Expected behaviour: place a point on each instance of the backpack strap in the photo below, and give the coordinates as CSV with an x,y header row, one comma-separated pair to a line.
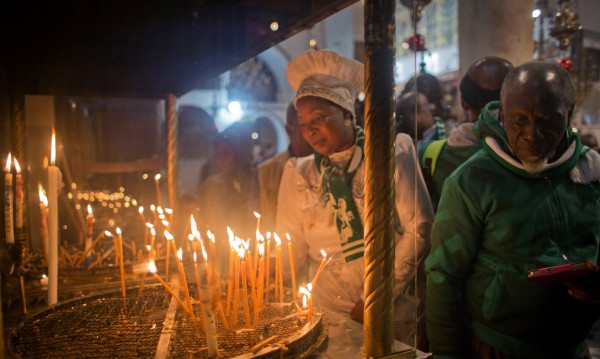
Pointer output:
x,y
431,154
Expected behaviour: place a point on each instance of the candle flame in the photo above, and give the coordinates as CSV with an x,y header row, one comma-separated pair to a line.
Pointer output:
x,y
287,235
42,196
242,253
305,291
157,177
141,209
230,234
159,210
152,267
168,235
191,237
304,301
149,225
43,276
193,226
152,232
268,235
89,209
257,215
118,230
152,207
169,210
107,233
277,240
53,150
165,223
261,249
180,254
7,167
148,247
323,254
211,236
195,257
309,287
203,252
17,167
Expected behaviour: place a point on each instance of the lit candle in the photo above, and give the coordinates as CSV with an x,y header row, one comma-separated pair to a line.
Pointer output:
x,y
54,177
18,196
141,212
307,300
268,269
152,268
8,202
156,180
169,238
89,235
43,220
236,291
207,313
321,266
122,268
213,248
258,235
278,267
230,272
198,285
244,289
292,269
186,290
261,282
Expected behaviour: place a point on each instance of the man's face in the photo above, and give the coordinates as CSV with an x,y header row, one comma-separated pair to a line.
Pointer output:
x,y
535,118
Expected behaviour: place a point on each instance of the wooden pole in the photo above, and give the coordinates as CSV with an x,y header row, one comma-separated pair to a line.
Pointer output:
x,y
379,177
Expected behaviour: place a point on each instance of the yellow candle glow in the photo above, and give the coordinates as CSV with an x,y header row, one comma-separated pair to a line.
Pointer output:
x,y
307,300
244,289
54,178
89,234
152,269
8,202
122,268
278,267
184,285
268,269
314,281
169,238
292,268
156,181
43,220
18,196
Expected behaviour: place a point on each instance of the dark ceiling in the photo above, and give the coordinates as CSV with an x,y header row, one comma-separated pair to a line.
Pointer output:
x,y
138,48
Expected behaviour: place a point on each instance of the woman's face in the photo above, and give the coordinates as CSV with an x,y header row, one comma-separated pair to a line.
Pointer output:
x,y
324,125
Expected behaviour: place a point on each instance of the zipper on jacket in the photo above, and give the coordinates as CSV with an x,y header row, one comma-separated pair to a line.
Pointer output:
x,y
557,214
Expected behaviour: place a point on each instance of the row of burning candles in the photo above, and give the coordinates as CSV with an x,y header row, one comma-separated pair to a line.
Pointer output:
x,y
246,274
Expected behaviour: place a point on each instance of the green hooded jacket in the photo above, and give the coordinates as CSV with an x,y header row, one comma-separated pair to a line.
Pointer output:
x,y
495,222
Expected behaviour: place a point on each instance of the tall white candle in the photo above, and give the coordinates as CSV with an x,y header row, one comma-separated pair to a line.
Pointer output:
x,y
89,234
18,196
53,180
8,203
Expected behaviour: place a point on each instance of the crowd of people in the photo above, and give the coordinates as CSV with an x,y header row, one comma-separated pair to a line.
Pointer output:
x,y
480,202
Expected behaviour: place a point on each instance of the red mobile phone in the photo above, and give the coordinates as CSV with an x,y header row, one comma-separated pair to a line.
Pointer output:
x,y
560,273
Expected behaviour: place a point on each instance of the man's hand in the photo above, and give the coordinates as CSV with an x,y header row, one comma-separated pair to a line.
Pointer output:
x,y
358,312
585,290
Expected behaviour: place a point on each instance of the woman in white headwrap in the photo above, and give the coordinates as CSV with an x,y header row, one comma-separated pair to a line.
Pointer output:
x,y
321,196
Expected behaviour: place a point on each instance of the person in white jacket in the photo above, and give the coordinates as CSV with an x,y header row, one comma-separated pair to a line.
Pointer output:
x,y
321,197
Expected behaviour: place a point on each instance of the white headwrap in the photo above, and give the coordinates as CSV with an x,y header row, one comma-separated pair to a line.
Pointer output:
x,y
326,74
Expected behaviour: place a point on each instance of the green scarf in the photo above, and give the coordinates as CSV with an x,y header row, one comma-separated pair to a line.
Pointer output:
x,y
337,184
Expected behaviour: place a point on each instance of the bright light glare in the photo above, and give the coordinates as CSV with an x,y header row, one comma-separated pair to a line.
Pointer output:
x,y
535,13
274,26
234,107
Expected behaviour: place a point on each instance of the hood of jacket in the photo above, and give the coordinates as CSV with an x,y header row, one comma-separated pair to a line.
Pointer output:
x,y
493,137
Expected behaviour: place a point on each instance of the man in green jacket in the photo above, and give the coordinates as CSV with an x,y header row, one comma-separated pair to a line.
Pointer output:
x,y
529,199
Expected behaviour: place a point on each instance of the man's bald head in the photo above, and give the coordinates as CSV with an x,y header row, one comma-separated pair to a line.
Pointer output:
x,y
482,82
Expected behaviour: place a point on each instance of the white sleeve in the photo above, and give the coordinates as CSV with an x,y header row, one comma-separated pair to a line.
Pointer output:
x,y
290,218
415,213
